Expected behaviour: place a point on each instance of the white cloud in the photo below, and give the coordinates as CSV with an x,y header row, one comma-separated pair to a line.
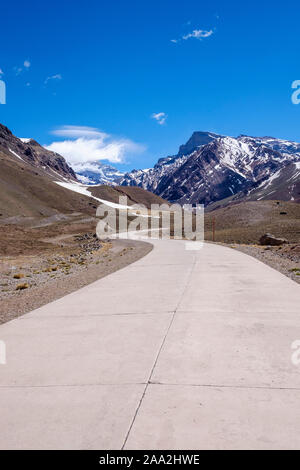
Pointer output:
x,y
88,166
84,179
19,70
90,145
159,117
78,131
53,77
196,34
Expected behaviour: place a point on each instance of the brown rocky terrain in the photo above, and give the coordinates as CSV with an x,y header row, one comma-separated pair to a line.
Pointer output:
x,y
241,226
29,151
27,191
40,265
135,195
246,222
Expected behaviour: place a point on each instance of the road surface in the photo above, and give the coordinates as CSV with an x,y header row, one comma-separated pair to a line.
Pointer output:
x,y
180,350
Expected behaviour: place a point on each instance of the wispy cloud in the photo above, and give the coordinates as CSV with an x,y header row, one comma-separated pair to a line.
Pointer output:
x,y
78,131
53,77
26,66
160,118
88,144
196,34
1,72
18,70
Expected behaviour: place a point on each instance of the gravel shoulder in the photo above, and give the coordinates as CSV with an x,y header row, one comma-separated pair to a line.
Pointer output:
x,y
31,281
285,259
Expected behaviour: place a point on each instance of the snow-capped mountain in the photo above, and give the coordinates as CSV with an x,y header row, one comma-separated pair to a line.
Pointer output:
x,y
97,173
219,167
153,179
283,185
282,146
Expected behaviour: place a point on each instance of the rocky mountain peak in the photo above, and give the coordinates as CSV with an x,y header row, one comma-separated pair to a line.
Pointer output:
x,y
31,152
220,167
197,140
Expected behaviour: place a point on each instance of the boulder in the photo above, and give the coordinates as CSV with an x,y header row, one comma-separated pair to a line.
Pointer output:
x,y
271,240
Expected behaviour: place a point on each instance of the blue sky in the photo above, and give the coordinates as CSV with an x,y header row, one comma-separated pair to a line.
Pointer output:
x,y
112,65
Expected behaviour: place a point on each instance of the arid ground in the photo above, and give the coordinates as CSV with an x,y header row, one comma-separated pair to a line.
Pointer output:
x,y
43,264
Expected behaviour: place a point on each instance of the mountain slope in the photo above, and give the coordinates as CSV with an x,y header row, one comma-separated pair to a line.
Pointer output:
x,y
28,191
283,185
135,195
154,179
30,152
247,221
37,186
223,168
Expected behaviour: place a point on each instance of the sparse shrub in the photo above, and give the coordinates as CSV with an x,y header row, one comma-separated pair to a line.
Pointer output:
x,y
19,276
22,286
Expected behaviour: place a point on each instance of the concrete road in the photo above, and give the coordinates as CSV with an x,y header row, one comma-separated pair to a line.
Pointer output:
x,y
180,350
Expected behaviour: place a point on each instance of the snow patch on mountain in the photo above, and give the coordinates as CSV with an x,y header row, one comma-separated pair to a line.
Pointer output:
x,y
97,173
220,167
81,189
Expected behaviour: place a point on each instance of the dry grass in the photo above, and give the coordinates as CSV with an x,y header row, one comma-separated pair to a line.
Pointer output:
x,y
246,222
19,276
22,286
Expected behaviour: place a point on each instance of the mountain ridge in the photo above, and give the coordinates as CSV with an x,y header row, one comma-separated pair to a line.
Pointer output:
x,y
219,167
31,152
